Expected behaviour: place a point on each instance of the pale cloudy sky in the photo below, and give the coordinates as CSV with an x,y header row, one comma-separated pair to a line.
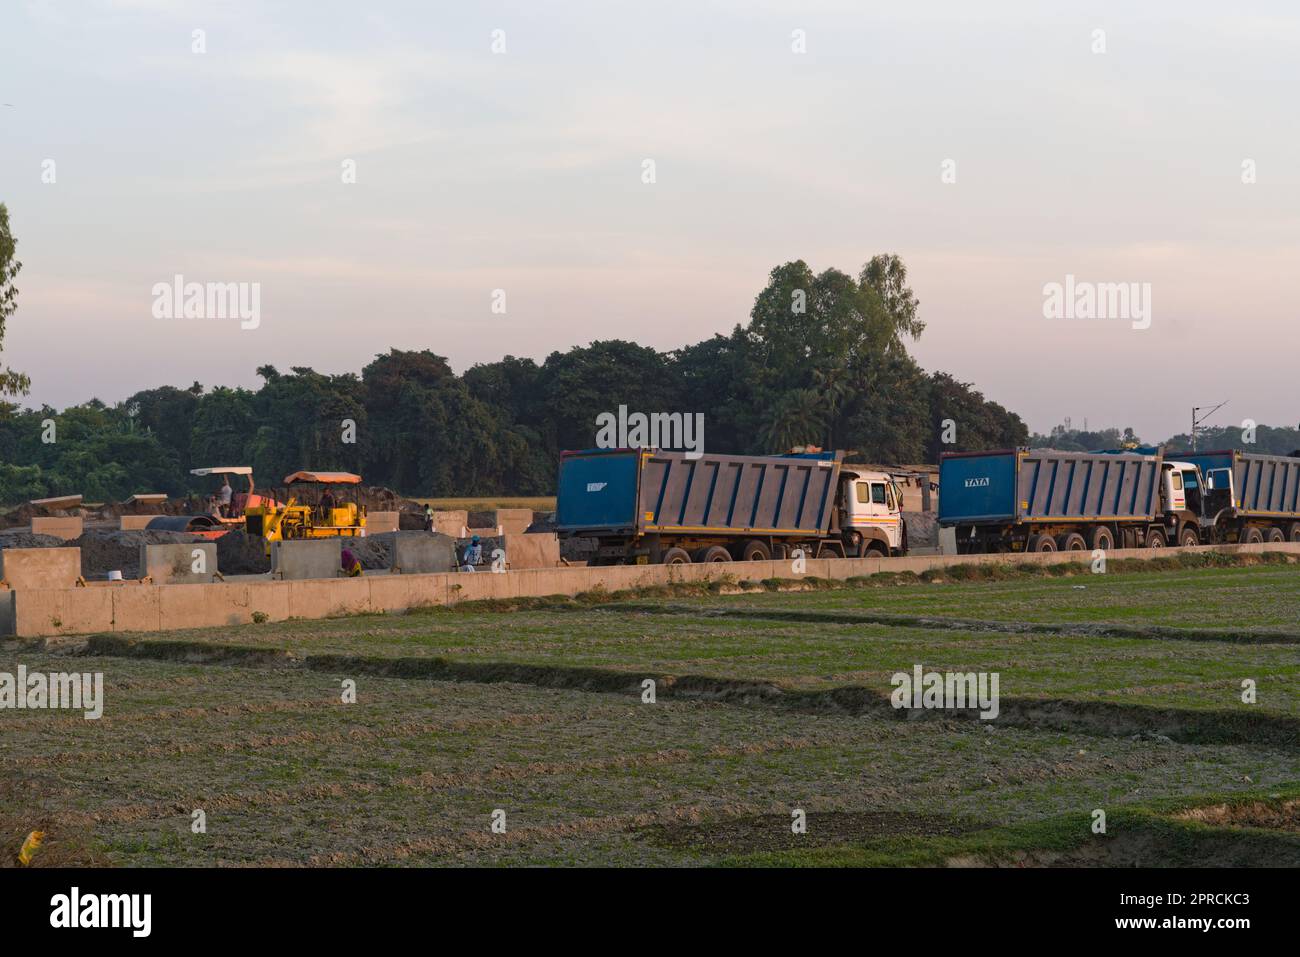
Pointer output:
x,y
522,171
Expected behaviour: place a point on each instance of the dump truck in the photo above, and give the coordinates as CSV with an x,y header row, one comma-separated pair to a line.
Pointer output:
x,y
1043,499
316,505
647,506
1262,494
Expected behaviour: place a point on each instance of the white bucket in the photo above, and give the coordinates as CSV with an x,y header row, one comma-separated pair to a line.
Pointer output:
x,y
115,576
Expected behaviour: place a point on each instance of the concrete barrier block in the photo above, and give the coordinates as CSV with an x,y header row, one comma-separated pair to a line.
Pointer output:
x,y
378,523
514,521
183,563
131,523
422,553
450,522
64,528
310,558
538,550
482,585
40,567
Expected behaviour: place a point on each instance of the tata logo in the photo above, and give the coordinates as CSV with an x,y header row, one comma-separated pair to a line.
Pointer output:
x,y
596,486
977,482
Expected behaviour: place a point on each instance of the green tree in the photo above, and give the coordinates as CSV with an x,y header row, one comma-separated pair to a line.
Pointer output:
x,y
11,383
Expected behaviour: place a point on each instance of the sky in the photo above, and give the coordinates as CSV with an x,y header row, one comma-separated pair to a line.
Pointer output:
x,y
498,157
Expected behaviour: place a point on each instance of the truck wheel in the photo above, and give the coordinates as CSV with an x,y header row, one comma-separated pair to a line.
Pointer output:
x,y
1101,538
676,556
1155,538
1071,542
755,551
1189,538
712,555
1294,534
1252,536
1040,543
876,550
1274,536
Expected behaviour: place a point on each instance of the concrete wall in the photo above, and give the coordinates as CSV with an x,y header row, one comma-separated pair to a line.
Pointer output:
x,y
538,550
379,523
134,522
40,611
310,558
416,553
64,528
176,564
40,567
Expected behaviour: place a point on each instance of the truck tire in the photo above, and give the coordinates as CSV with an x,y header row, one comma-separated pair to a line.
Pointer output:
x,y
711,555
755,551
1293,534
1274,536
1101,538
1252,536
1071,542
1156,539
675,556
1040,543
876,550
1189,538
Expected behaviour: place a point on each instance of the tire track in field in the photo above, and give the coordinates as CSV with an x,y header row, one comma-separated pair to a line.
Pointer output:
x,y
1085,715
253,742
896,620
429,781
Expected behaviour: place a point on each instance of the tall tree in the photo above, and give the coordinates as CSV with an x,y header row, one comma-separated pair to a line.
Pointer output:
x,y
11,383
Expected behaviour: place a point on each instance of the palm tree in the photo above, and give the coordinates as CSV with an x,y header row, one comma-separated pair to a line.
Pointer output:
x,y
795,419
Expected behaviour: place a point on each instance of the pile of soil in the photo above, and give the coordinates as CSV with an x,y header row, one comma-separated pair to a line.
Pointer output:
x,y
24,539
105,551
372,551
241,554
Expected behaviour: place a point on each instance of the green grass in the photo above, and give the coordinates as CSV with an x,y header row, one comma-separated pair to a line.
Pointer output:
x,y
538,712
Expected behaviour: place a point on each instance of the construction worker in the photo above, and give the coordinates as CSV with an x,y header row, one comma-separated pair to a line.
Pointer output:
x,y
225,495
473,555
428,518
351,566
327,504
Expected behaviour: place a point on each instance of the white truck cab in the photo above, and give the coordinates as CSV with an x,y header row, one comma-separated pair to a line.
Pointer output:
x,y
874,515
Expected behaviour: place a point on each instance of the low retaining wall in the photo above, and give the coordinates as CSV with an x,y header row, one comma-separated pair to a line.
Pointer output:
x,y
37,612
131,523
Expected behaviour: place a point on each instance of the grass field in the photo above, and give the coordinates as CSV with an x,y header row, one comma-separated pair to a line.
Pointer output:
x,y
1119,692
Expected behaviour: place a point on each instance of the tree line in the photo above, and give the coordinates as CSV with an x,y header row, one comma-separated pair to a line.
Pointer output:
x,y
821,361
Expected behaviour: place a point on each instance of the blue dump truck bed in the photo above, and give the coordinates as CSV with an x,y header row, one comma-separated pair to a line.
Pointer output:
x,y
1044,485
640,491
1264,485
